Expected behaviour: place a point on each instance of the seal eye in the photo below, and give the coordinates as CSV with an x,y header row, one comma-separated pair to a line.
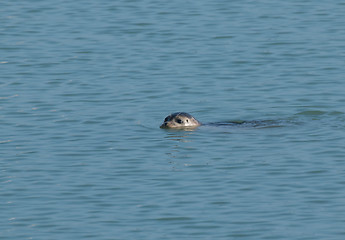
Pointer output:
x,y
179,121
167,119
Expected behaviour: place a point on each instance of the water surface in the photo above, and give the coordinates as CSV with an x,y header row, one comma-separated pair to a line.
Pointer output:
x,y
85,85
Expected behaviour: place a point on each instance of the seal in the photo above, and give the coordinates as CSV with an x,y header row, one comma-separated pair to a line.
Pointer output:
x,y
180,120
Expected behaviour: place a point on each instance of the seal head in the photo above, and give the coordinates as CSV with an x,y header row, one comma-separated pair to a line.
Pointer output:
x,y
180,120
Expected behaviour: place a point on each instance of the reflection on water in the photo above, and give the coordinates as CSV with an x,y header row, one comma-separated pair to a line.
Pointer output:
x,y
179,135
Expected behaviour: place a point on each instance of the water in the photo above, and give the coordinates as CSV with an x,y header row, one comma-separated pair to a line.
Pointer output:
x,y
85,85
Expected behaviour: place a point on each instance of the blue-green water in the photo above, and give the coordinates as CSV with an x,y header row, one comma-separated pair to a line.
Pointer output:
x,y
85,85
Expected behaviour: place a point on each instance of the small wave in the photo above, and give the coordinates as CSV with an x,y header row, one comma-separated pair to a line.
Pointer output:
x,y
318,113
